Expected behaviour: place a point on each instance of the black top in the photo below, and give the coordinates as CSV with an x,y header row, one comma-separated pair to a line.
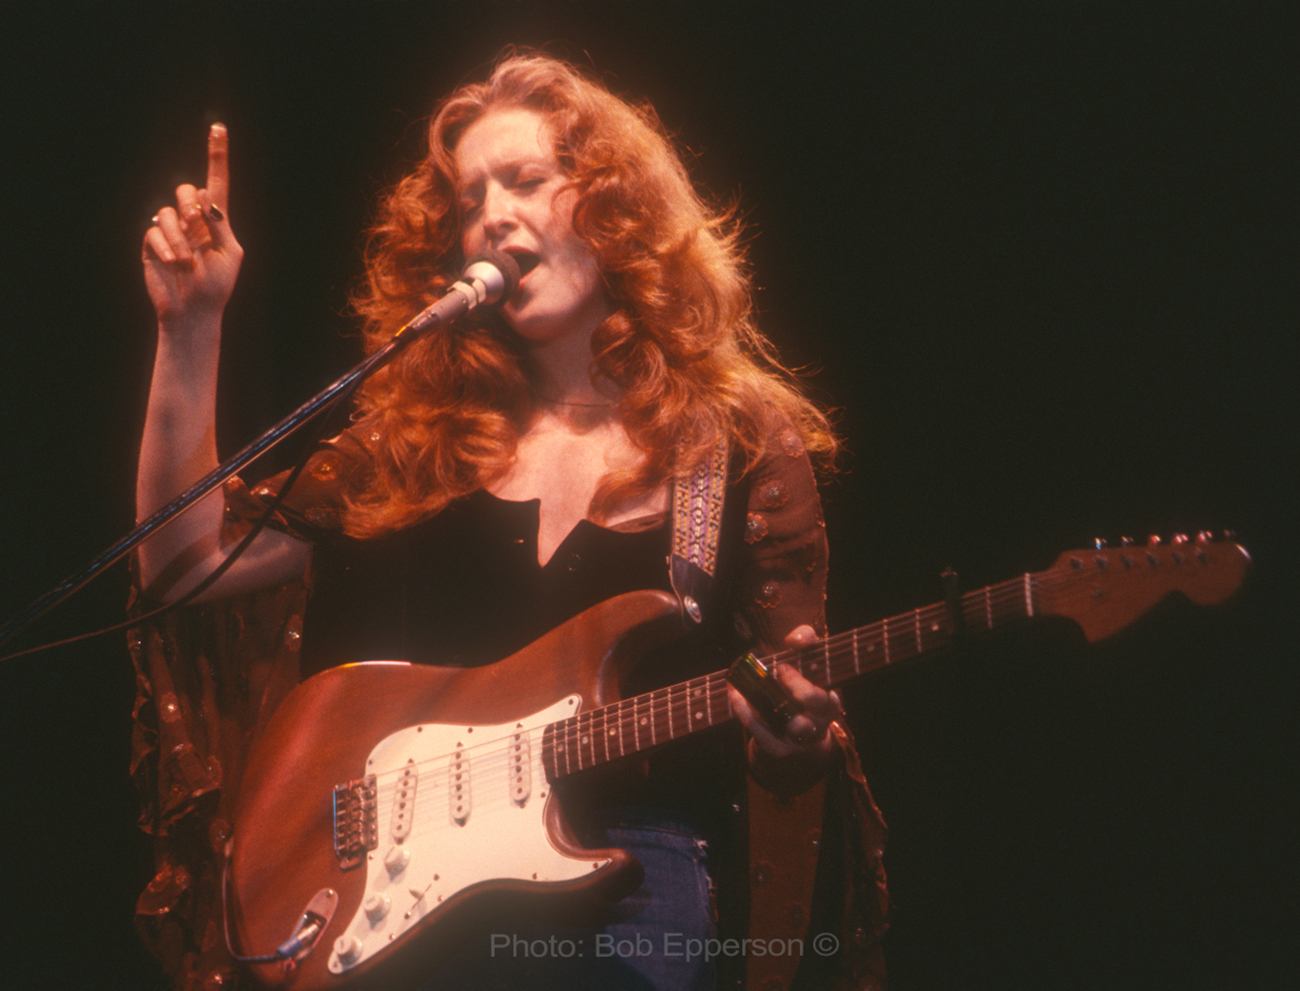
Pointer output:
x,y
464,587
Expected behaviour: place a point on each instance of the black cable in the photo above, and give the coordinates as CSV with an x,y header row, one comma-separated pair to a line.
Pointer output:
x,y
245,542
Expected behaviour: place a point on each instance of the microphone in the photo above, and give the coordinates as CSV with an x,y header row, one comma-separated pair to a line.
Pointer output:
x,y
491,277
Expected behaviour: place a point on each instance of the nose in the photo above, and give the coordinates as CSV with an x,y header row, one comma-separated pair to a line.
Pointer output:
x,y
498,213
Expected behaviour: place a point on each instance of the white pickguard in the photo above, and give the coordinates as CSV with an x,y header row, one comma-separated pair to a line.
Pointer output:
x,y
457,806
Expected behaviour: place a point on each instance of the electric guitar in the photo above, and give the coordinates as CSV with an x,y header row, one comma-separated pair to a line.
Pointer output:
x,y
387,803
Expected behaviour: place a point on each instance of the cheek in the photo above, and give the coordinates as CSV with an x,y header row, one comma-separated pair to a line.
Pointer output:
x,y
560,223
470,243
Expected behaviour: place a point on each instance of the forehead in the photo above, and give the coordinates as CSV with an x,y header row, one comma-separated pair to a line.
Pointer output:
x,y
501,138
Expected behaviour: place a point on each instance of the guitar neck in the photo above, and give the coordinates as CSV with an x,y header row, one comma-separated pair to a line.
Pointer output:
x,y
637,724
1102,590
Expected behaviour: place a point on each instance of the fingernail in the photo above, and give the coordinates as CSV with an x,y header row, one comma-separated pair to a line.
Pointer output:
x,y
215,213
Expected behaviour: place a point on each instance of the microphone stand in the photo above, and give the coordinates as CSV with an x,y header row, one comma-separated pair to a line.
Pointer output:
x,y
461,297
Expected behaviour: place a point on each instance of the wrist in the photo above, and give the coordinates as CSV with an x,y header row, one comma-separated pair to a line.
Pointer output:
x,y
794,772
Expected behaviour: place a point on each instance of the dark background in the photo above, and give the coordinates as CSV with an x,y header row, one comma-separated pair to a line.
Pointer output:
x,y
1038,255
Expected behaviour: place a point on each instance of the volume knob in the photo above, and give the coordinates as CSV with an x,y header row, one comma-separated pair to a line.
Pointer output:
x,y
396,860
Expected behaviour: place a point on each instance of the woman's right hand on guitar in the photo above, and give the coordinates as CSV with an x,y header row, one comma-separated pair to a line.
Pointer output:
x,y
190,254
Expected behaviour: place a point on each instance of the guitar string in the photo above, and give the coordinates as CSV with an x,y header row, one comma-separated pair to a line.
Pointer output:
x,y
570,731
580,732
617,721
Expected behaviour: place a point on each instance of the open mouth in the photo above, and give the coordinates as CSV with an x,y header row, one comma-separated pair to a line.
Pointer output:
x,y
526,260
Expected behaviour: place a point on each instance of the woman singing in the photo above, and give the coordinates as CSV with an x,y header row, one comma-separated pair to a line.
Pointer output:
x,y
503,475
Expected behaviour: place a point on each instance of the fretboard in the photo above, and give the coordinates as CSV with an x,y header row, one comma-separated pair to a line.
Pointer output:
x,y
637,724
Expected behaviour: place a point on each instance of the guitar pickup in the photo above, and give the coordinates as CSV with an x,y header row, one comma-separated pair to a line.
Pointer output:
x,y
404,801
458,786
356,821
521,775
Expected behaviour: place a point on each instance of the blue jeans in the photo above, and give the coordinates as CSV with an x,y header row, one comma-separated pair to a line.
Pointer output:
x,y
655,939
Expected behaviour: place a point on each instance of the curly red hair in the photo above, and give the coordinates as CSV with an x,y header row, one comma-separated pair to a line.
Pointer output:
x,y
681,343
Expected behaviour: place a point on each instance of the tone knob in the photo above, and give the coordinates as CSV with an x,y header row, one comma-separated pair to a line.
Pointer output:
x,y
347,948
376,907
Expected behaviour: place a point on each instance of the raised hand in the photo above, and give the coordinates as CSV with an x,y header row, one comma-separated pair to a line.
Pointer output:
x,y
190,254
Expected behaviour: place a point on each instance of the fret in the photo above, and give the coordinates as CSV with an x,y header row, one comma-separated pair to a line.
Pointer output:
x,y
988,605
556,736
684,704
600,732
857,661
674,706
660,708
895,640
1029,595
589,739
615,732
636,723
884,640
920,648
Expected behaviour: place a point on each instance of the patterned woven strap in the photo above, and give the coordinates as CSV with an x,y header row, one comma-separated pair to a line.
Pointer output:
x,y
697,523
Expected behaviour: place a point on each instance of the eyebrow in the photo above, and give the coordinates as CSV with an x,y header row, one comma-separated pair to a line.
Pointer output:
x,y
509,165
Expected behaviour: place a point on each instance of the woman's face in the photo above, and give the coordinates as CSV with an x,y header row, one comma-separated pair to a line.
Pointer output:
x,y
512,200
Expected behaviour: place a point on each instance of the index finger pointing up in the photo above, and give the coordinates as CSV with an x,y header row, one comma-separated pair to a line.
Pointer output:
x,y
219,164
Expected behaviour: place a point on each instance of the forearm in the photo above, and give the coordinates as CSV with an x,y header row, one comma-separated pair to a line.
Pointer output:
x,y
179,444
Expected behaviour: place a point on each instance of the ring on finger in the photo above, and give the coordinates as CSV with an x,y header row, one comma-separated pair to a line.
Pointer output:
x,y
809,736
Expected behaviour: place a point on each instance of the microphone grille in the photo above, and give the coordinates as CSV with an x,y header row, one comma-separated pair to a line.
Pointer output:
x,y
498,272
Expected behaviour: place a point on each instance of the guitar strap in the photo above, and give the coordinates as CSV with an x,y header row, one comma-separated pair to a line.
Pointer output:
x,y
784,832
698,498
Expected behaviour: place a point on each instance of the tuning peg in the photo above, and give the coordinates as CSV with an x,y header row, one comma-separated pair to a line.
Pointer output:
x,y
1180,538
1126,541
1205,537
1153,540
1098,543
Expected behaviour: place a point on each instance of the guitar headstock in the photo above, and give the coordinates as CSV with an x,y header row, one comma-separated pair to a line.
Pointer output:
x,y
1106,588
